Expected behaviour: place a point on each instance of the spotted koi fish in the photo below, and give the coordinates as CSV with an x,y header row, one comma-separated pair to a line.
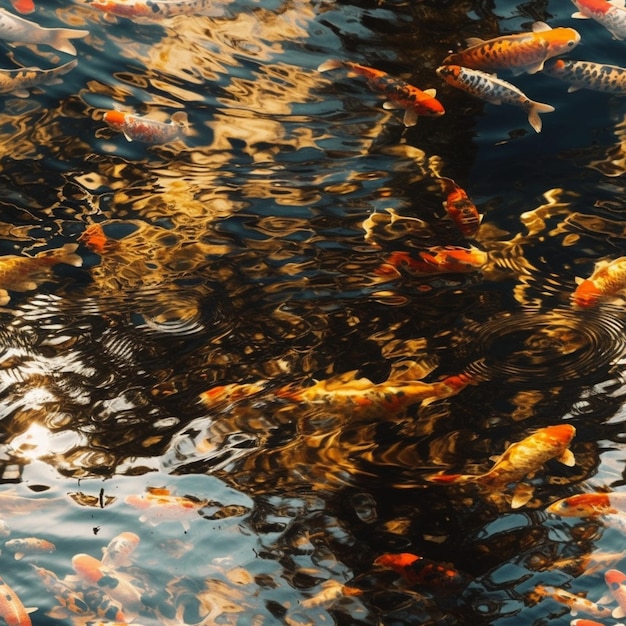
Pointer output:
x,y
588,75
608,279
139,128
19,81
616,582
520,460
576,604
401,95
67,597
152,9
589,504
17,29
29,545
461,210
120,549
12,611
493,89
523,52
417,570
610,13
23,6
436,260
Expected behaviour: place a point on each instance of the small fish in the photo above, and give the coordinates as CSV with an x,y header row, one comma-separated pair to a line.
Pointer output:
x,y
120,549
608,279
582,565
17,29
23,273
589,504
576,604
19,81
588,75
461,210
28,545
610,13
417,570
331,590
616,582
12,611
160,505
437,260
493,89
520,460
152,9
95,239
12,504
523,52
401,95
146,130
68,598
23,6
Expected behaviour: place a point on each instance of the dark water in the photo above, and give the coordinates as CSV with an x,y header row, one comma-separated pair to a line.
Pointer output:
x,y
249,253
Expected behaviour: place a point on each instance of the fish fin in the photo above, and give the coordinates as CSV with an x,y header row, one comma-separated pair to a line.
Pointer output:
x,y
59,39
539,27
618,3
331,64
389,105
533,114
572,88
618,612
410,117
19,556
578,280
185,524
21,93
533,69
180,118
31,609
567,458
579,16
127,136
68,256
474,41
430,92
445,478
58,612
522,494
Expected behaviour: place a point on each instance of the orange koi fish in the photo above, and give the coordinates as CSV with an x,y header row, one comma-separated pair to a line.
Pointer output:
x,y
402,95
576,604
460,208
159,505
588,75
437,260
608,279
152,9
120,549
610,13
12,611
616,582
23,273
68,598
17,29
28,545
493,89
585,622
23,6
589,505
417,570
146,130
95,239
524,52
521,460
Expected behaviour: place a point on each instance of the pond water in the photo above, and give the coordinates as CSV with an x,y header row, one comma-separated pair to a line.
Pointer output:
x,y
213,325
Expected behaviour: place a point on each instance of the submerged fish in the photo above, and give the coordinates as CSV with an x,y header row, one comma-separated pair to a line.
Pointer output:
x,y
589,505
120,549
417,570
146,130
608,279
400,94
23,6
17,29
520,460
523,52
152,9
28,545
610,13
437,260
68,598
616,582
576,604
461,210
12,504
95,239
588,75
493,89
19,81
12,611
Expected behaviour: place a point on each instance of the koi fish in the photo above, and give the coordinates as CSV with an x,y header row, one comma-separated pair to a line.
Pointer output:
x,y
23,273
159,505
120,549
152,9
28,545
616,582
230,392
493,89
402,95
586,622
417,570
585,564
17,29
12,504
19,81
588,75
610,13
437,260
576,604
520,460
461,210
68,598
12,611
524,52
589,505
608,279
95,239
23,6
146,130
331,591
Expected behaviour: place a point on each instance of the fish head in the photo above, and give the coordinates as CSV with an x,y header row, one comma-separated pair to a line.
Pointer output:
x,y
560,40
582,505
587,294
115,119
87,567
592,7
614,579
559,435
449,73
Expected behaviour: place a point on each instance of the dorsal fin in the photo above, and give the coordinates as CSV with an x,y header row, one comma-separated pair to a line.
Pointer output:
x,y
474,41
430,92
539,27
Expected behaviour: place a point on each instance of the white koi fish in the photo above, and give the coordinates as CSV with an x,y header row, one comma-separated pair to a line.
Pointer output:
x,y
19,81
17,29
610,13
120,549
576,604
146,130
588,75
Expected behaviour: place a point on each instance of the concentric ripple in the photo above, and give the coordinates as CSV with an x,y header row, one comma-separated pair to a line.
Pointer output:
x,y
532,346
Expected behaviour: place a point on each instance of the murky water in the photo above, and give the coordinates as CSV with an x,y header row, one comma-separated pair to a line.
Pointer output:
x,y
221,317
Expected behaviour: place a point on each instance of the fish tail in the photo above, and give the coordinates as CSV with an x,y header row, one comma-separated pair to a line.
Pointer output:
x,y
534,109
67,255
331,64
59,39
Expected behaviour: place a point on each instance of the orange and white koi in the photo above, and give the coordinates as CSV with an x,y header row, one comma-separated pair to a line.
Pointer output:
x,y
589,504
120,549
520,460
436,260
152,9
23,6
400,94
19,81
146,130
523,52
417,570
493,89
610,13
608,279
12,611
160,505
461,210
17,29
29,545
616,582
576,604
588,75
68,598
